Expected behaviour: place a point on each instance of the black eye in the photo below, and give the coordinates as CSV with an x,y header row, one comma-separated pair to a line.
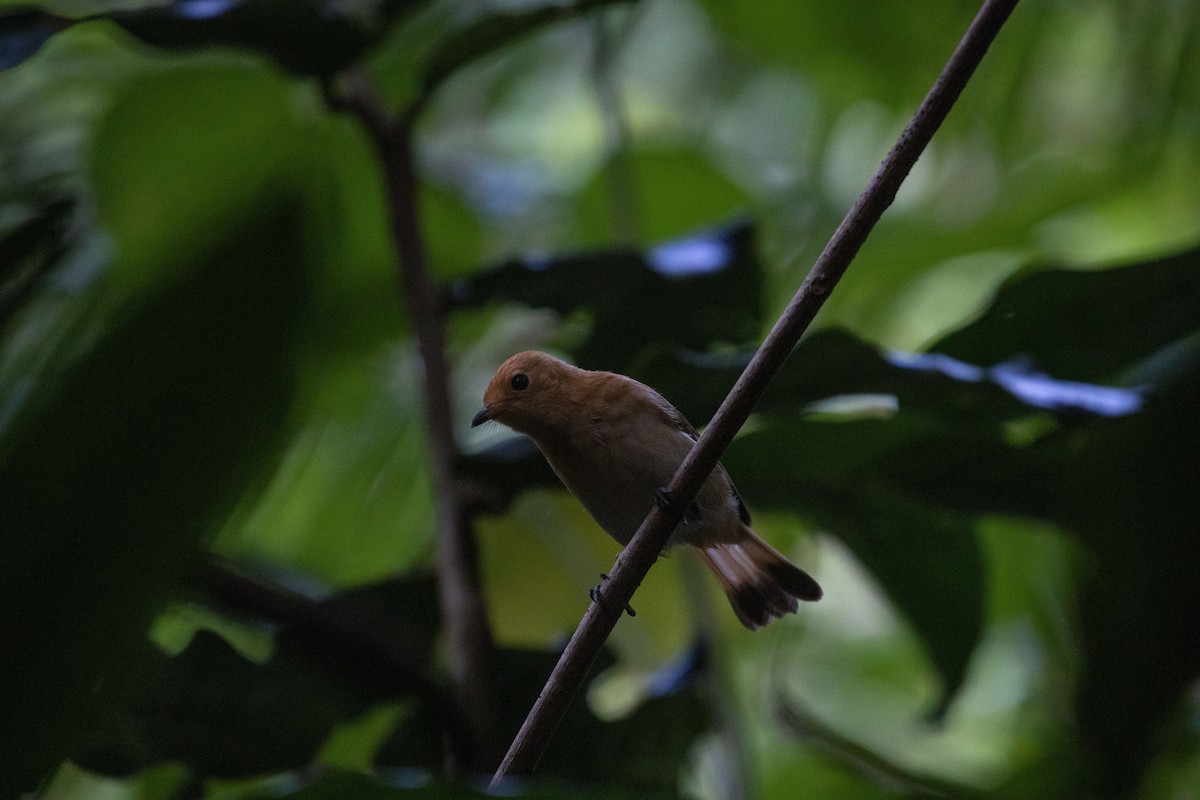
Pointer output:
x,y
520,381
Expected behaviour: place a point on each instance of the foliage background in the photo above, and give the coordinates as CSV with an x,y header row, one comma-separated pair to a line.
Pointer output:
x,y
202,353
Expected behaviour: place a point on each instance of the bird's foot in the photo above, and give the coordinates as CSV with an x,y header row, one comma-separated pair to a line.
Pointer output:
x,y
598,597
665,500
662,496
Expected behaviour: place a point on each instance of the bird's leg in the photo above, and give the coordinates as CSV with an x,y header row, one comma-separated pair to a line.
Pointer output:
x,y
663,497
598,597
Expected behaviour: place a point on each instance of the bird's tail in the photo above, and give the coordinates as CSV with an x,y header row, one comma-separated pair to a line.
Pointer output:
x,y
759,581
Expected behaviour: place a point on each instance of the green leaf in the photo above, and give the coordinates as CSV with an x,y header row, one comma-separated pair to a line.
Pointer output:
x,y
821,40
117,475
1126,486
1131,493
695,292
225,716
30,250
416,785
644,751
1085,325
924,554
23,31
832,362
659,192
305,38
498,474
493,31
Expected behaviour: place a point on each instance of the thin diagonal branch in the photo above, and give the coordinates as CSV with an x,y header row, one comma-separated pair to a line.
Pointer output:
x,y
636,559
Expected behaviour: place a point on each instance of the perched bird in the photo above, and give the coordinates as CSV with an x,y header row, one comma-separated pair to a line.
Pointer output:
x,y
616,443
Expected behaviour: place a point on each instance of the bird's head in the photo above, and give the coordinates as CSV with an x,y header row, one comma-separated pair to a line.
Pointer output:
x,y
528,393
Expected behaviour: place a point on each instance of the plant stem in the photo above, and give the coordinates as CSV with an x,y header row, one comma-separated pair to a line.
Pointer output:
x,y
464,618
636,559
622,183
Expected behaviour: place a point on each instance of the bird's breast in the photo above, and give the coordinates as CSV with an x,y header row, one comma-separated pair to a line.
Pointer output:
x,y
615,470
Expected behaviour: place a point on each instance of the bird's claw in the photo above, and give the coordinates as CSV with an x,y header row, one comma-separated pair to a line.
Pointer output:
x,y
662,496
598,597
665,499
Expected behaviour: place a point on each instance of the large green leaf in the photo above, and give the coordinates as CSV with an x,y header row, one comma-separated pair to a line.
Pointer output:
x,y
1086,325
1128,487
116,477
305,38
695,291
23,31
223,715
31,249
643,751
923,554
656,193
828,41
1131,490
832,362
495,30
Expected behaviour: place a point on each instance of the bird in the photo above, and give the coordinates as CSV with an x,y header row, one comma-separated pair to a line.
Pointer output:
x,y
615,443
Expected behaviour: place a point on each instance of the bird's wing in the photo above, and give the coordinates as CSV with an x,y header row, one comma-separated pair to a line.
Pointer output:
x,y
676,416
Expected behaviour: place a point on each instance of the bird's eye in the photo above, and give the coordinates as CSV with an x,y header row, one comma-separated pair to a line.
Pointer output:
x,y
520,381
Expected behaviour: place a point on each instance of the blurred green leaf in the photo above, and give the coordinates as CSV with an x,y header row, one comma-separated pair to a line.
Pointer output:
x,y
643,751
496,475
695,292
23,31
29,250
207,136
1127,487
306,38
831,362
658,192
117,477
416,785
1085,325
1132,493
924,555
494,30
223,715
826,41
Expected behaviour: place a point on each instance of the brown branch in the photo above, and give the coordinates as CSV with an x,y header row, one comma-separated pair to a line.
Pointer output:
x,y
468,635
636,559
622,182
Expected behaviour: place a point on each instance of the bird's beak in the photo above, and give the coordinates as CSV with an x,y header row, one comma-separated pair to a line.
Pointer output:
x,y
482,416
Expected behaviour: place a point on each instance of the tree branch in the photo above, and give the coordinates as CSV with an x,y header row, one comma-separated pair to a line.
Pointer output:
x,y
468,635
622,184
636,559
346,635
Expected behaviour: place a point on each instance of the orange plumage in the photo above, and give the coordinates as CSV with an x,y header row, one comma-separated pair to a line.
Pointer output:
x,y
614,442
